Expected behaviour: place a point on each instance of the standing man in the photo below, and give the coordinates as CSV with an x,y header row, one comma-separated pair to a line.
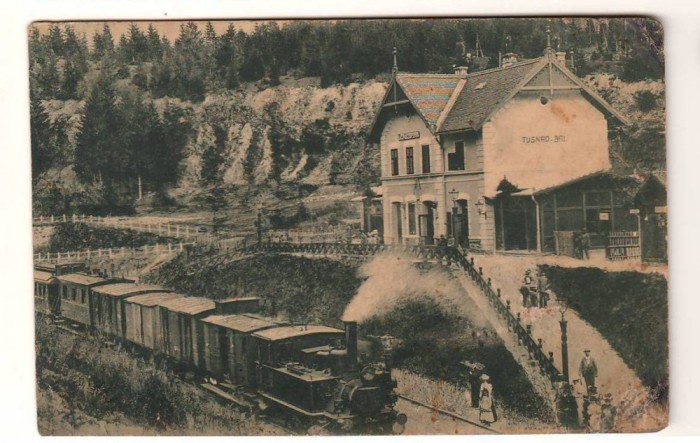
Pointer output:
x,y
585,244
588,370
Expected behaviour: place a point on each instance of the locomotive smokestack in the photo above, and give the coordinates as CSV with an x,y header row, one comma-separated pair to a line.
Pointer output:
x,y
351,343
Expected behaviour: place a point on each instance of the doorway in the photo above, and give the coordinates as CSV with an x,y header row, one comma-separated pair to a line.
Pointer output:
x,y
397,215
460,223
426,223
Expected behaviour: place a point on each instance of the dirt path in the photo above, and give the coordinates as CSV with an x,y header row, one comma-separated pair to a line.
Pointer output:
x,y
635,410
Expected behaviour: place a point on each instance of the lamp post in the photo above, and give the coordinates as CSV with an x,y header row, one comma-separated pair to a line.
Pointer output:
x,y
563,307
454,193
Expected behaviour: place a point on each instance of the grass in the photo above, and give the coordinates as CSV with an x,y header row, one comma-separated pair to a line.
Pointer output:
x,y
81,384
630,309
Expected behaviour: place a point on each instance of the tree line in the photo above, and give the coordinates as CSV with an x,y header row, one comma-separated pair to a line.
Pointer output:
x,y
135,92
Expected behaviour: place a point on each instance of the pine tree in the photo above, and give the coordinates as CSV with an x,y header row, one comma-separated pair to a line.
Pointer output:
x,y
39,127
155,51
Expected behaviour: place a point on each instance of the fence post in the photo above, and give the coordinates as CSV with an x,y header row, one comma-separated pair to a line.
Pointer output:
x,y
170,247
180,246
177,231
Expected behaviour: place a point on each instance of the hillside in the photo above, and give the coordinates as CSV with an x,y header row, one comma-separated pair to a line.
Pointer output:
x,y
221,120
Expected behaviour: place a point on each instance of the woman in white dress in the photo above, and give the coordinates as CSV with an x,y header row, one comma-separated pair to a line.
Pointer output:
x,y
487,411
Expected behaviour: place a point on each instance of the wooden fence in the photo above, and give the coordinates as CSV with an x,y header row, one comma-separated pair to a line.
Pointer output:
x,y
71,256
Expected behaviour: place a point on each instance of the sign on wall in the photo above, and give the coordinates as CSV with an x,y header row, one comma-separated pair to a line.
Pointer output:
x,y
409,135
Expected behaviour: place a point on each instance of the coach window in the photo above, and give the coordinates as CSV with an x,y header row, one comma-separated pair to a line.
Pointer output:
x,y
65,293
394,162
82,296
455,160
409,160
74,294
425,154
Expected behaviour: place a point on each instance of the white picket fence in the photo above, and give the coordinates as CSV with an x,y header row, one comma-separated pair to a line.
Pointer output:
x,y
163,229
71,256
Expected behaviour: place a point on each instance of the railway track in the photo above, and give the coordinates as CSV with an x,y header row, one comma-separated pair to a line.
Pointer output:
x,y
447,413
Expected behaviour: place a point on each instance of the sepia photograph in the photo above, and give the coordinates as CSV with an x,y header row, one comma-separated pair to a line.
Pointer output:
x,y
425,226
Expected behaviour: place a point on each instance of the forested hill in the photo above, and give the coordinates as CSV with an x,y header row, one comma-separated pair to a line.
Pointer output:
x,y
211,112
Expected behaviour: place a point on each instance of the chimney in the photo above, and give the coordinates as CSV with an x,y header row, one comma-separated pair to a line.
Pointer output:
x,y
509,59
351,343
561,57
461,70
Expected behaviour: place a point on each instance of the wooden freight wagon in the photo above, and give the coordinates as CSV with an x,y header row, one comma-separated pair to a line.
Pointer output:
x,y
182,330
46,299
143,324
228,347
75,295
107,304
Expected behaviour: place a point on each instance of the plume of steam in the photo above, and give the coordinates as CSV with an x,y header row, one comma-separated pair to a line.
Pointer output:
x,y
393,278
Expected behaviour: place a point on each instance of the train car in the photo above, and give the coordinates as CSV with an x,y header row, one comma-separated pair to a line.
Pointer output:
x,y
107,305
75,292
183,333
228,347
280,377
46,296
143,325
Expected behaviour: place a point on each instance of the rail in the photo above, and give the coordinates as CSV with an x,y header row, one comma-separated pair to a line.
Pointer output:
x,y
174,230
68,256
448,256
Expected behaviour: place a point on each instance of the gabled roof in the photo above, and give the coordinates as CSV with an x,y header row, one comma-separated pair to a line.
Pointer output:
x,y
455,102
429,93
483,92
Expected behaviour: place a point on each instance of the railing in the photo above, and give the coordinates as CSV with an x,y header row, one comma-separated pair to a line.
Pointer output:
x,y
59,257
447,256
163,229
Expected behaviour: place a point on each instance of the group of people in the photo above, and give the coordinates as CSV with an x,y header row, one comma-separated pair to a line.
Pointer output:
x,y
592,406
480,395
534,289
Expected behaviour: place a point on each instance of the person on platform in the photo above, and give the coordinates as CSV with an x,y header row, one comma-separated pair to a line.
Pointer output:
x,y
608,412
585,244
588,370
487,410
529,286
474,385
542,287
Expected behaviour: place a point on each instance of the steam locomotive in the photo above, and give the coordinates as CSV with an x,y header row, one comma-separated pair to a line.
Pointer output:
x,y
310,371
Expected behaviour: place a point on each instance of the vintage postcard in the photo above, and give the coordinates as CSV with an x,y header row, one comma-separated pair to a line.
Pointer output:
x,y
350,227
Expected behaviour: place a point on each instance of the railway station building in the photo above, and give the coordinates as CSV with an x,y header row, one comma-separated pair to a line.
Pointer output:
x,y
500,159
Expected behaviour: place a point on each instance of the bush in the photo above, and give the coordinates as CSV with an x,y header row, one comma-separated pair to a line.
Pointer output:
x,y
80,236
645,100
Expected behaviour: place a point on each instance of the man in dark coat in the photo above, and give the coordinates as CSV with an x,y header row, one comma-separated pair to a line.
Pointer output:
x,y
585,244
588,370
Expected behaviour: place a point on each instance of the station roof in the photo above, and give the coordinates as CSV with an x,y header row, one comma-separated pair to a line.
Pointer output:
x,y
151,299
42,276
81,279
458,102
126,289
234,299
188,305
285,332
429,92
240,323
